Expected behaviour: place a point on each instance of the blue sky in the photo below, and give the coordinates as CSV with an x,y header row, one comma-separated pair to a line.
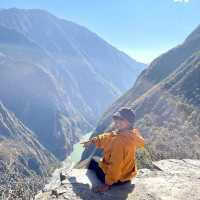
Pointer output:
x,y
142,28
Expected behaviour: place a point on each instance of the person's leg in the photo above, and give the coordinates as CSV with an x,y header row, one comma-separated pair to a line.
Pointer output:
x,y
121,183
99,172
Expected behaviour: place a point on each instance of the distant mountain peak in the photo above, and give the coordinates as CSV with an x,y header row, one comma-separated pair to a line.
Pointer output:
x,y
21,10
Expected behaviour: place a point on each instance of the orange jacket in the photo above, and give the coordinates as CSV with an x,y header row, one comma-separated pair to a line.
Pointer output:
x,y
119,159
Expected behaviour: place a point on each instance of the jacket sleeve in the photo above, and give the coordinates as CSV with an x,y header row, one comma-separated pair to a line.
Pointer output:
x,y
115,164
101,140
139,139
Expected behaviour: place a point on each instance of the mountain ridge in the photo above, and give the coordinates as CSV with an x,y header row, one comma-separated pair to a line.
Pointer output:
x,y
52,81
166,109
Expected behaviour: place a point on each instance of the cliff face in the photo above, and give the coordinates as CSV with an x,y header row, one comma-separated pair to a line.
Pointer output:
x,y
21,155
168,114
18,143
30,92
173,179
166,99
58,77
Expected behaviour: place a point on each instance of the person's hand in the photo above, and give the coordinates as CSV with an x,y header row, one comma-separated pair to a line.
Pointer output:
x,y
86,143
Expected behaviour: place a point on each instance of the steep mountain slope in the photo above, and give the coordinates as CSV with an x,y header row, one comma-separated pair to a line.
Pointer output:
x,y
167,109
30,92
169,113
22,144
82,48
161,67
21,155
58,77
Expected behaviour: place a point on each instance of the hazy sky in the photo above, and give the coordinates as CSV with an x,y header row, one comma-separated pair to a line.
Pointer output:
x,y
142,28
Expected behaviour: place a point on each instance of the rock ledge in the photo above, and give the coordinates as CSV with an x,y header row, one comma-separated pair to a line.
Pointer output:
x,y
176,180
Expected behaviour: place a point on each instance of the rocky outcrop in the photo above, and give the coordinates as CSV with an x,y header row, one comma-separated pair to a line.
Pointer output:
x,y
172,179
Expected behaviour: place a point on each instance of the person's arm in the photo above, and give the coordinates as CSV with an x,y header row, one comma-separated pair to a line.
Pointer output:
x,y
98,140
114,166
101,140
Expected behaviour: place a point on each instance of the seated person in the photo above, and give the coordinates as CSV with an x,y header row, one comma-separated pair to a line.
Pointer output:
x,y
119,149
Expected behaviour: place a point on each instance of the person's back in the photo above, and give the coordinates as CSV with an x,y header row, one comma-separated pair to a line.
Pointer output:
x,y
119,154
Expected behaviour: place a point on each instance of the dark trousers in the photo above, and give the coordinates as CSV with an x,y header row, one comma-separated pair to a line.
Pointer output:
x,y
94,165
98,171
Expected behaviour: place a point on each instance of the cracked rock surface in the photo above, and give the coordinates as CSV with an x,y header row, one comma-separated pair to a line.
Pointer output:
x,y
176,180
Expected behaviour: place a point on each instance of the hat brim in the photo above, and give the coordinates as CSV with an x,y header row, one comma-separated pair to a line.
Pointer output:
x,y
118,117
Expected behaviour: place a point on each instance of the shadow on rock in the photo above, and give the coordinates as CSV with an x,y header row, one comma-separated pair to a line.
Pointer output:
x,y
83,189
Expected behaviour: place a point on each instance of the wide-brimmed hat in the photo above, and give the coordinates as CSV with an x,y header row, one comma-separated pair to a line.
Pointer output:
x,y
125,113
